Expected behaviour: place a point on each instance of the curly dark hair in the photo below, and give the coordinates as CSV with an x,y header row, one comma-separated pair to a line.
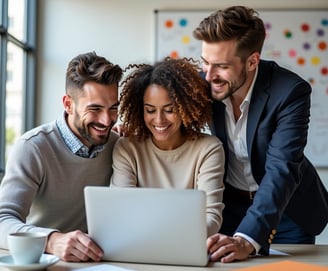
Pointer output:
x,y
90,67
186,88
237,23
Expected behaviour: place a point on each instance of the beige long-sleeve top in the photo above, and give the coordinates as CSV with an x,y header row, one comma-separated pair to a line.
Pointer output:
x,y
197,164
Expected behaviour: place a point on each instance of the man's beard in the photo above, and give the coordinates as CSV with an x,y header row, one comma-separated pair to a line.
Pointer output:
x,y
232,88
100,140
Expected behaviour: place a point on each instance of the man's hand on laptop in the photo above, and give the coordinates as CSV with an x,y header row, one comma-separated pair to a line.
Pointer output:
x,y
74,246
226,249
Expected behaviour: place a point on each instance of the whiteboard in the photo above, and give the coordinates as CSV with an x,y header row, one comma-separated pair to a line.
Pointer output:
x,y
295,39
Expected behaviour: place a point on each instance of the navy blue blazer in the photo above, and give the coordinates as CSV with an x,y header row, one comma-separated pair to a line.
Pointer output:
x,y
277,128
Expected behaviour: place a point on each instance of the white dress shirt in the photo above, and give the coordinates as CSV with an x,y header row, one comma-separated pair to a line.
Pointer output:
x,y
239,173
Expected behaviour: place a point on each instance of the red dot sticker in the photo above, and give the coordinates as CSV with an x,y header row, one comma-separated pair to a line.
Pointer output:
x,y
322,45
169,24
305,27
301,61
324,70
174,54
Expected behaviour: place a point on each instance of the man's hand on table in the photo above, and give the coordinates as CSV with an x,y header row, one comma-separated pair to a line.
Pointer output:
x,y
226,249
74,246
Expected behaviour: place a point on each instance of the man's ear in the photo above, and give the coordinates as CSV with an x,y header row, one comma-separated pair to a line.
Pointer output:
x,y
67,102
253,61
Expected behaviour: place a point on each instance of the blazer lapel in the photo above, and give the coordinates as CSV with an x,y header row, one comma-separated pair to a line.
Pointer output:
x,y
258,101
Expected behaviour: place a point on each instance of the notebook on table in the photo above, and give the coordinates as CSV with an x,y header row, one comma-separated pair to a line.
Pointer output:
x,y
148,225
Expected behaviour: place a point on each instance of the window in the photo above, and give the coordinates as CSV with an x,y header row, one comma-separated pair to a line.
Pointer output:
x,y
17,71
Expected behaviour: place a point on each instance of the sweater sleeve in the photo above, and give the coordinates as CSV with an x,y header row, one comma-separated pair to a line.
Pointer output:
x,y
123,166
210,179
24,172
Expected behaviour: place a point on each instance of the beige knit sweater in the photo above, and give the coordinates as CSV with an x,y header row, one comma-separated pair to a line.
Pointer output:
x,y
197,164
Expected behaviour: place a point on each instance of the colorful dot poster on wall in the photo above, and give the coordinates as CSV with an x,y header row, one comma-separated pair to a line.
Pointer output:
x,y
297,40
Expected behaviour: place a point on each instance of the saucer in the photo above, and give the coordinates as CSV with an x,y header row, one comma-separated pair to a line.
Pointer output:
x,y
45,261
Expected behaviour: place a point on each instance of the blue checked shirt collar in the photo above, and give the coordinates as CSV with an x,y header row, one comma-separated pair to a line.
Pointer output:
x,y
73,143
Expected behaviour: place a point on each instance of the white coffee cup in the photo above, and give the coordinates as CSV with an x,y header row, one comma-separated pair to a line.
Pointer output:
x,y
26,247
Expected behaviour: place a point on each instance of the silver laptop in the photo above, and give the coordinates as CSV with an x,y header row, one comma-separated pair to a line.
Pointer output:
x,y
148,225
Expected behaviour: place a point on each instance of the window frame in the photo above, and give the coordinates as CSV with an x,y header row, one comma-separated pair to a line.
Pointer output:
x,y
29,48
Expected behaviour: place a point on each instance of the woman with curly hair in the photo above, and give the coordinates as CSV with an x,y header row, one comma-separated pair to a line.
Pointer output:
x,y
164,108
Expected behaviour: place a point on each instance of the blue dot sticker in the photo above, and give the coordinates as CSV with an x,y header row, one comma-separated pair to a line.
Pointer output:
x,y
324,22
183,22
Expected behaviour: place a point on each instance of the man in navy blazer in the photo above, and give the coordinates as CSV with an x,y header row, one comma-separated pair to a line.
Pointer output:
x,y
261,112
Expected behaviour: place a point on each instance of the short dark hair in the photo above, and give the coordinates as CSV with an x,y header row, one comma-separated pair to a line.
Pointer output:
x,y
237,23
90,67
186,88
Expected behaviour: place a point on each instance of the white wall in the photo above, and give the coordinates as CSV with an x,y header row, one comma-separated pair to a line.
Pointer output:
x,y
121,30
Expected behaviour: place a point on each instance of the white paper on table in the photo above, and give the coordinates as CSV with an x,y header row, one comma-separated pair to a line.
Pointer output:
x,y
277,252
103,267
